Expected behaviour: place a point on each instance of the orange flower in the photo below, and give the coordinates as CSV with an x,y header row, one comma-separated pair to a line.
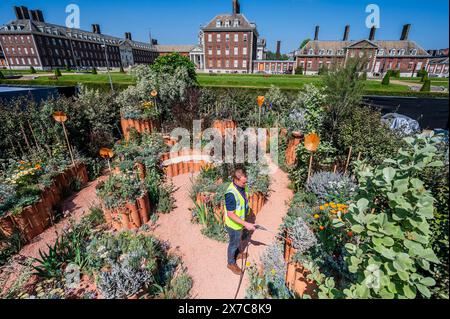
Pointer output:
x,y
38,167
322,208
327,205
350,234
321,227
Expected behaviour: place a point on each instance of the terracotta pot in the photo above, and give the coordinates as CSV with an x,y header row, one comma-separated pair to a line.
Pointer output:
x,y
135,219
124,218
144,208
6,226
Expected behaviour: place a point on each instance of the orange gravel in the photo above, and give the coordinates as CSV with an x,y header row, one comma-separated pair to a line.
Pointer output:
x,y
204,258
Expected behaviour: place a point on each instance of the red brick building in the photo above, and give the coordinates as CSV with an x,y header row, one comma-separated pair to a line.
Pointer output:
x,y
381,55
274,67
30,41
230,43
438,65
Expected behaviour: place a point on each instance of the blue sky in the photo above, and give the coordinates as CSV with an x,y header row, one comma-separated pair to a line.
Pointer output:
x,y
291,21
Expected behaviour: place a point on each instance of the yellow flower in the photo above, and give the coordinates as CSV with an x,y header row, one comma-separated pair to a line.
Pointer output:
x,y
273,272
316,216
333,205
327,205
248,264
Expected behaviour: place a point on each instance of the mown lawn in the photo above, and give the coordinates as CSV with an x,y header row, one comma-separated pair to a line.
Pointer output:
x,y
434,81
256,81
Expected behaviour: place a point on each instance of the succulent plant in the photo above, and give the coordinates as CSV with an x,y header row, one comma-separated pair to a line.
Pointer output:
x,y
303,239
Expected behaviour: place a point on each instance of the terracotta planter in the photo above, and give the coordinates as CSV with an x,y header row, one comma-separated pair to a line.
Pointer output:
x,y
124,219
296,279
135,219
144,208
6,226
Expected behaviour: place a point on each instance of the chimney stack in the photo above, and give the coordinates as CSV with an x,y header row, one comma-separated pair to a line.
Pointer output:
x,y
346,33
236,7
316,34
18,13
372,34
25,13
128,36
405,32
96,28
34,16
278,50
40,15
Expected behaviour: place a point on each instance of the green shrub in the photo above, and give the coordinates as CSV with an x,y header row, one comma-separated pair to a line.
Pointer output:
x,y
32,70
386,79
426,87
58,72
421,73
121,69
392,221
366,134
94,71
169,63
1,75
299,70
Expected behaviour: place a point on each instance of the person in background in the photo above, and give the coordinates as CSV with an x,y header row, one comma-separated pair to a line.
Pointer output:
x,y
237,209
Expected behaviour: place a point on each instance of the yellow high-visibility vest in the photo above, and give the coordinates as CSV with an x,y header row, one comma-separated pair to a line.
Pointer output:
x,y
241,207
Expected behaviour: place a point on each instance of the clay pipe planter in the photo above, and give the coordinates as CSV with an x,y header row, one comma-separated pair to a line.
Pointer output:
x,y
144,208
135,218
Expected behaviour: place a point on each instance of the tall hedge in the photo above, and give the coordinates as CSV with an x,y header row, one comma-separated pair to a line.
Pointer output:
x,y
426,86
386,79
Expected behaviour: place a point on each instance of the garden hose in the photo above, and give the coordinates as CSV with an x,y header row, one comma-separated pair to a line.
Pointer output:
x,y
257,227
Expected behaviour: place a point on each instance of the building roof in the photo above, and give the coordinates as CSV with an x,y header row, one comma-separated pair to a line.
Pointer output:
x,y
386,45
439,60
227,23
29,26
174,48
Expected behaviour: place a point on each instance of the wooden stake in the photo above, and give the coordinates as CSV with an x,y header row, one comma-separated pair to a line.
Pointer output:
x,y
348,159
359,157
68,143
32,134
310,167
25,136
335,168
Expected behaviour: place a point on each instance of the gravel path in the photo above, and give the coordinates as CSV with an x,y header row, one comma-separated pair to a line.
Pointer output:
x,y
204,258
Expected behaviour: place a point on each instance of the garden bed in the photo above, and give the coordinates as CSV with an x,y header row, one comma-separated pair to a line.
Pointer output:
x,y
34,219
138,125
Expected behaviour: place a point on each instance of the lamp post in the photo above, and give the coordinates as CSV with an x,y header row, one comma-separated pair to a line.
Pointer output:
x,y
107,67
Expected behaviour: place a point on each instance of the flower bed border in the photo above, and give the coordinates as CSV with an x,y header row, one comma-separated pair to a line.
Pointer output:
x,y
180,167
296,274
141,126
131,216
36,218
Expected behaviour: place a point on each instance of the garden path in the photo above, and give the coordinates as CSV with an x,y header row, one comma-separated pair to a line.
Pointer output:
x,y
74,207
204,258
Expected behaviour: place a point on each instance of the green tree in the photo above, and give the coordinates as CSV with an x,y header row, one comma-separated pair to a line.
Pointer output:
x,y
386,79
58,72
426,87
344,92
168,64
299,70
32,70
94,71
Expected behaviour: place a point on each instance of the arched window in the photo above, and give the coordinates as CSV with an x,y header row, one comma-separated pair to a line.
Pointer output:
x,y
392,52
401,52
321,52
311,51
330,52
413,52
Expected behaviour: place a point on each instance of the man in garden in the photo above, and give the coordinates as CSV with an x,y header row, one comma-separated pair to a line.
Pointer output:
x,y
237,208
